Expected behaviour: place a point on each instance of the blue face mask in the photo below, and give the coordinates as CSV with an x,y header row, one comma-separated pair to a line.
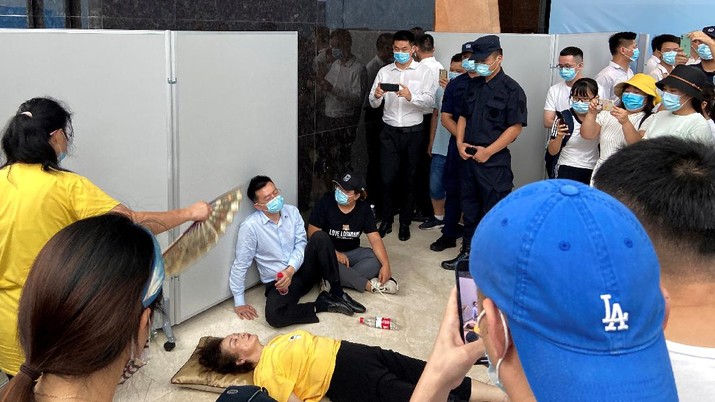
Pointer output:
x,y
671,102
704,52
61,156
567,73
669,57
579,107
636,53
484,69
341,198
452,75
337,53
275,205
401,57
632,101
468,65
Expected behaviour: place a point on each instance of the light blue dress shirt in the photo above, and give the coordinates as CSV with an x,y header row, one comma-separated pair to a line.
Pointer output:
x,y
274,246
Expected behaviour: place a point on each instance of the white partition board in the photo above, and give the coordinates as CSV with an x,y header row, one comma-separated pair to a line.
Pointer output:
x,y
527,59
114,82
237,117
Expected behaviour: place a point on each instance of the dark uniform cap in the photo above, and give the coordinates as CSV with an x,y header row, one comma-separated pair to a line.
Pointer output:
x,y
485,46
467,47
710,31
351,181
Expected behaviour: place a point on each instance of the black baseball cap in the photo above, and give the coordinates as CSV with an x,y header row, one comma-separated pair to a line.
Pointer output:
x,y
485,46
351,181
710,31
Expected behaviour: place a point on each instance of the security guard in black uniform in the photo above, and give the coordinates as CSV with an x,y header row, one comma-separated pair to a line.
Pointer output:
x,y
492,115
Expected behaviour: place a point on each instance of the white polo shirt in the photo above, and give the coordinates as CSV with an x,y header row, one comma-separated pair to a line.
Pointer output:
x,y
610,76
651,64
399,112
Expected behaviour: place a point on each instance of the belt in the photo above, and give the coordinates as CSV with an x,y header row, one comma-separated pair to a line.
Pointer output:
x,y
412,129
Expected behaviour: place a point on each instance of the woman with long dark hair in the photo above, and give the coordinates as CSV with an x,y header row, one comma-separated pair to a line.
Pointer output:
x,y
40,197
86,310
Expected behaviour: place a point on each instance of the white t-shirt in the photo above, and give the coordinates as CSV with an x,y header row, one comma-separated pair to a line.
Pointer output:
x,y
579,152
434,66
711,123
694,371
690,127
558,97
611,138
658,73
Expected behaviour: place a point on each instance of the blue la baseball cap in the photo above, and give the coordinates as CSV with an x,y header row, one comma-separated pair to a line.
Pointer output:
x,y
578,280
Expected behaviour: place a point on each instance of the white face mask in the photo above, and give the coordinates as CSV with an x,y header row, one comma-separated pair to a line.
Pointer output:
x,y
493,369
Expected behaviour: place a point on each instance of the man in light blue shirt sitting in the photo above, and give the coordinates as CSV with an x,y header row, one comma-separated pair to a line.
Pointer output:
x,y
289,266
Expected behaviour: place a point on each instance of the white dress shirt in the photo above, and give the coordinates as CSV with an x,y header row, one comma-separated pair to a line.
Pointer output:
x,y
399,112
434,66
650,64
610,76
349,82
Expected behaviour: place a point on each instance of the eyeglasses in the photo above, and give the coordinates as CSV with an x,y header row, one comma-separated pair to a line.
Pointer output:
x,y
270,197
582,98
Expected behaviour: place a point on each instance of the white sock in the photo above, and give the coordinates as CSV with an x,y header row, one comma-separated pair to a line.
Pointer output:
x,y
439,217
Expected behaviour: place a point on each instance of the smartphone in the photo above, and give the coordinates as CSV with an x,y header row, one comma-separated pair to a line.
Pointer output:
x,y
606,104
686,44
467,305
471,151
558,121
442,74
390,87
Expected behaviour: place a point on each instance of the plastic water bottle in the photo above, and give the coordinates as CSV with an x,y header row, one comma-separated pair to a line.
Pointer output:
x,y
379,322
281,291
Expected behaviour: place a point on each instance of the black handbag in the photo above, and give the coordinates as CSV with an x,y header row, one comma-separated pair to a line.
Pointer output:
x,y
245,393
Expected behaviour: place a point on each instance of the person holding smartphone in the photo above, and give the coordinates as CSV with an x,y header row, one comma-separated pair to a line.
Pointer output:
x,y
575,156
407,90
625,125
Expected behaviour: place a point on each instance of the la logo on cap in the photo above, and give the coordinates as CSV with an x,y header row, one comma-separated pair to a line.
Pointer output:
x,y
614,314
347,177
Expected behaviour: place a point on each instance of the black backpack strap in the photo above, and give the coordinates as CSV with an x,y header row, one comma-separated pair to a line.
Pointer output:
x,y
551,161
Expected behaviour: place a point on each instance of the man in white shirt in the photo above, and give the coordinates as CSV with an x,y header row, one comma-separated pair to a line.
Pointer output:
x,y
672,192
557,99
624,50
670,56
425,54
409,92
654,58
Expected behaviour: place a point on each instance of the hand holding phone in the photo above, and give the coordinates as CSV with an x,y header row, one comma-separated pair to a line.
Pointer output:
x,y
389,87
467,306
471,151
686,44
442,74
606,104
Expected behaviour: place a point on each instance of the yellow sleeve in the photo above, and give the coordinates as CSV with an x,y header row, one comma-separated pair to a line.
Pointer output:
x,y
88,200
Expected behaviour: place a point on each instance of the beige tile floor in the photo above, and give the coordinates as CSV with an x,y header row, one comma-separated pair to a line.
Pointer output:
x,y
418,309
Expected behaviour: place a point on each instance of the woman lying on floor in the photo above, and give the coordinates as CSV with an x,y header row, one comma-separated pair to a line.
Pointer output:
x,y
300,366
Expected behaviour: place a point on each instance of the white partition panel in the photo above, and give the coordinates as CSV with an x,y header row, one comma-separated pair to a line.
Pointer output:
x,y
527,59
114,82
237,117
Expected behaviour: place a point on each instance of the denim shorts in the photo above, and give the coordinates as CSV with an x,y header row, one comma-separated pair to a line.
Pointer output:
x,y
436,175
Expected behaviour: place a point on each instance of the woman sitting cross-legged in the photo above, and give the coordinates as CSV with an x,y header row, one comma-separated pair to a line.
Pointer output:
x,y
344,216
300,366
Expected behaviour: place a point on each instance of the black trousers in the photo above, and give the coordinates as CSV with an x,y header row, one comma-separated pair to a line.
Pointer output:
x,y
370,373
423,201
482,187
373,128
574,173
319,263
452,185
399,156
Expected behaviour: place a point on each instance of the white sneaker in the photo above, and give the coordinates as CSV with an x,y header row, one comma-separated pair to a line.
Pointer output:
x,y
389,287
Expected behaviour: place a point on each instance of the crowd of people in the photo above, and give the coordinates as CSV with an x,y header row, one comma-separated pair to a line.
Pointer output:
x,y
595,285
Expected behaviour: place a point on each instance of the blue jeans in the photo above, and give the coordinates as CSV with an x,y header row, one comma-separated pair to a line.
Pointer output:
x,y
436,174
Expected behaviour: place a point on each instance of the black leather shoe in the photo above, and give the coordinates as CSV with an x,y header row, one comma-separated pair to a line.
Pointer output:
x,y
404,233
462,258
355,306
334,304
443,243
385,228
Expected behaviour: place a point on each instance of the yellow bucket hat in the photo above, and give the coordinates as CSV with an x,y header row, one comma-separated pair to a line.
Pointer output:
x,y
644,82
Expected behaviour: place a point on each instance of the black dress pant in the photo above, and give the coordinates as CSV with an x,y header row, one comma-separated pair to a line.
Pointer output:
x,y
483,186
373,128
400,149
370,373
319,263
574,173
423,201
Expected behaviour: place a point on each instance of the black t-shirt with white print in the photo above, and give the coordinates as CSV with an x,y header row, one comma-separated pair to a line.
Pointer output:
x,y
344,229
